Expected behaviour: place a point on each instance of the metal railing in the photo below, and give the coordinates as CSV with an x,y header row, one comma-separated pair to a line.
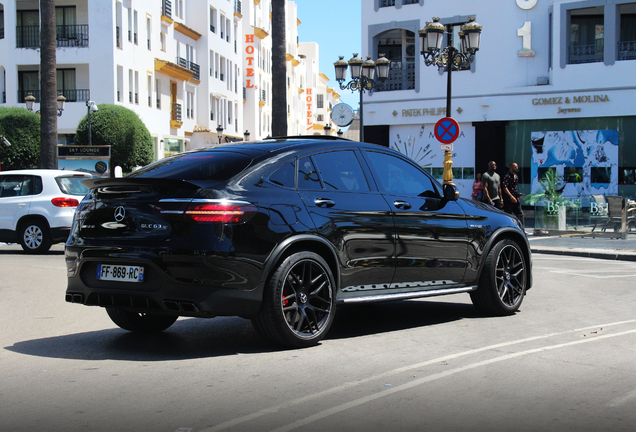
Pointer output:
x,y
263,96
585,53
166,8
4,97
117,37
627,50
176,111
189,65
2,33
237,6
401,77
75,95
65,36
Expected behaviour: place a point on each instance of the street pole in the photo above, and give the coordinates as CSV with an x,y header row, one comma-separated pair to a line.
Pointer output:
x,y
361,118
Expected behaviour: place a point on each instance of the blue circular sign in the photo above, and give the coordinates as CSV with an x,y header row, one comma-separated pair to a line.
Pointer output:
x,y
447,130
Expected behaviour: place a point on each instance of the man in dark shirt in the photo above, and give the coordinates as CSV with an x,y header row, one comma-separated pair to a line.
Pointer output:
x,y
491,186
511,196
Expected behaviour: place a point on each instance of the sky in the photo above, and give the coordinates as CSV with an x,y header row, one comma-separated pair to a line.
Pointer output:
x,y
336,26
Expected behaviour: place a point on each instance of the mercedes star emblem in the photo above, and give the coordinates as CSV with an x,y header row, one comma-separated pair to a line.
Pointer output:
x,y
120,214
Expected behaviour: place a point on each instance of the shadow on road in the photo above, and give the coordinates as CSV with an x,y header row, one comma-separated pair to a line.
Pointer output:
x,y
191,338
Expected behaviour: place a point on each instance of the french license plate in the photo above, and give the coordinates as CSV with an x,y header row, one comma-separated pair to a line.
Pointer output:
x,y
120,273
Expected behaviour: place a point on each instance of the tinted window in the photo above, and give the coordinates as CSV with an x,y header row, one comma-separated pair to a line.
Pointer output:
x,y
398,177
307,175
12,186
72,185
203,165
341,170
285,175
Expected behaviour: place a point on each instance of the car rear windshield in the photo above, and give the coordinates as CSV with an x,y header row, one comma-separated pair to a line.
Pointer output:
x,y
204,165
72,185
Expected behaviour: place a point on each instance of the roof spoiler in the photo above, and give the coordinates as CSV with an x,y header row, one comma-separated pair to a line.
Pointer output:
x,y
136,181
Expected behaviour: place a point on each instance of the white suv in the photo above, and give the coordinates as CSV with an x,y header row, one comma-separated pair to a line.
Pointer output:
x,y
37,206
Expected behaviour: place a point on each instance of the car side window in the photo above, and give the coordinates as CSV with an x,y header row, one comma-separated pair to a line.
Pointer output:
x,y
11,186
285,175
307,175
398,177
341,170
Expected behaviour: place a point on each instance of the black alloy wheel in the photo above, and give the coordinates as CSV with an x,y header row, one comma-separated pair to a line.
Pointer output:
x,y
298,306
502,285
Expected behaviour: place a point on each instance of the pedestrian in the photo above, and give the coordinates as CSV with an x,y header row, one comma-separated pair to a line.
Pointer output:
x,y
492,186
477,188
511,196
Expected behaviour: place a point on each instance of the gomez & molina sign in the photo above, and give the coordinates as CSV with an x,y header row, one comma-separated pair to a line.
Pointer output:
x,y
560,100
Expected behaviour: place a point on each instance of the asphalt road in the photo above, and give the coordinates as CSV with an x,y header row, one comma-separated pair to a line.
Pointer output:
x,y
565,362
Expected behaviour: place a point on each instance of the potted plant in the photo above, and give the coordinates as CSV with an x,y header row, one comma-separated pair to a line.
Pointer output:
x,y
550,197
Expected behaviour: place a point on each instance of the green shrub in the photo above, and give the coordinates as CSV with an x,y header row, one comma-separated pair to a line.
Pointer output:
x,y
122,129
22,129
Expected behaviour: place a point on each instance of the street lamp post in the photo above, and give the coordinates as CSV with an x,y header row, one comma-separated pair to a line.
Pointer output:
x,y
327,129
219,133
449,58
362,77
91,106
246,135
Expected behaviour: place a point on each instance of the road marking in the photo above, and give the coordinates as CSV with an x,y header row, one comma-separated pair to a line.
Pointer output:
x,y
415,383
622,400
347,385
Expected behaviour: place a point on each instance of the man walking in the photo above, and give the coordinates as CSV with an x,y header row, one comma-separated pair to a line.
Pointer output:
x,y
492,185
510,194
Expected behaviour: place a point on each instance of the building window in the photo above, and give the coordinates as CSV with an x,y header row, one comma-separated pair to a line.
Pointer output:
x,y
162,38
627,43
398,45
28,83
320,101
320,118
158,93
587,37
213,20
66,85
387,3
149,31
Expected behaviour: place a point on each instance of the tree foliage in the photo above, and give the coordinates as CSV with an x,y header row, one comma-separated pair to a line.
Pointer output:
x,y
22,129
122,129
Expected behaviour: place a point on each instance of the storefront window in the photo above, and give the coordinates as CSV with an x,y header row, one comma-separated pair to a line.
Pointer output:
x,y
172,147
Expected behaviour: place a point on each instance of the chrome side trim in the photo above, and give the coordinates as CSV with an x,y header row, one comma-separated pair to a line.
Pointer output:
x,y
208,201
409,295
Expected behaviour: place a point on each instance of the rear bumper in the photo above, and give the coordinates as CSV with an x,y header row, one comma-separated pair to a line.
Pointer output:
x,y
183,285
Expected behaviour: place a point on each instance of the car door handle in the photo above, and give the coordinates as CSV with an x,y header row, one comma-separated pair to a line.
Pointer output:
x,y
401,204
22,205
324,202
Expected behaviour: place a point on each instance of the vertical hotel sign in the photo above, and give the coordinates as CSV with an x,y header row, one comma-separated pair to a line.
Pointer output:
x,y
249,70
309,102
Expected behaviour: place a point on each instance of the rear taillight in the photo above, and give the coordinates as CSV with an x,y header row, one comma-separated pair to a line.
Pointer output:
x,y
65,202
214,211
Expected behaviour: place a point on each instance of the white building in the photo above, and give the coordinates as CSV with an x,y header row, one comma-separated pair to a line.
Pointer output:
x,y
552,85
188,68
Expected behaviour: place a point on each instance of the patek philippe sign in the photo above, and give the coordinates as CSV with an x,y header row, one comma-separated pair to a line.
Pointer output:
x,y
419,112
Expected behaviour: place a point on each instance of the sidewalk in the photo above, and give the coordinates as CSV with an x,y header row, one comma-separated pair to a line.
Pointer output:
x,y
575,245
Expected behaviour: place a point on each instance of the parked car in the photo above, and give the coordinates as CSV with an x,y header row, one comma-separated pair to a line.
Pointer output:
x,y
281,231
37,206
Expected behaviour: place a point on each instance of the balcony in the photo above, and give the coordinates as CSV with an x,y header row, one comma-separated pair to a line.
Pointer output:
x,y
237,6
189,65
76,95
175,118
166,11
627,50
65,36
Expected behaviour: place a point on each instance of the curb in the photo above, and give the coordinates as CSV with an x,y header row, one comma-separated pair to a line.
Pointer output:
x,y
587,253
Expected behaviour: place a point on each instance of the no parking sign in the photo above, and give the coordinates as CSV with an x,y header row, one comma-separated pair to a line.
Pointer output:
x,y
446,131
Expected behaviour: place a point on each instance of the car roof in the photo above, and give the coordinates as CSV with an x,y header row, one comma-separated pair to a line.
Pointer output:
x,y
288,143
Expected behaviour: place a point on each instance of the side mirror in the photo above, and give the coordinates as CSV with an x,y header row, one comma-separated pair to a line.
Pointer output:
x,y
450,192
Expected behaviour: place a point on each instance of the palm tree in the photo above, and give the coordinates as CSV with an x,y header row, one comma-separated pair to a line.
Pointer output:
x,y
48,86
279,70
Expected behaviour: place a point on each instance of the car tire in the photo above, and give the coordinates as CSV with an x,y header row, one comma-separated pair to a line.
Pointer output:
x,y
34,237
502,284
298,303
140,322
